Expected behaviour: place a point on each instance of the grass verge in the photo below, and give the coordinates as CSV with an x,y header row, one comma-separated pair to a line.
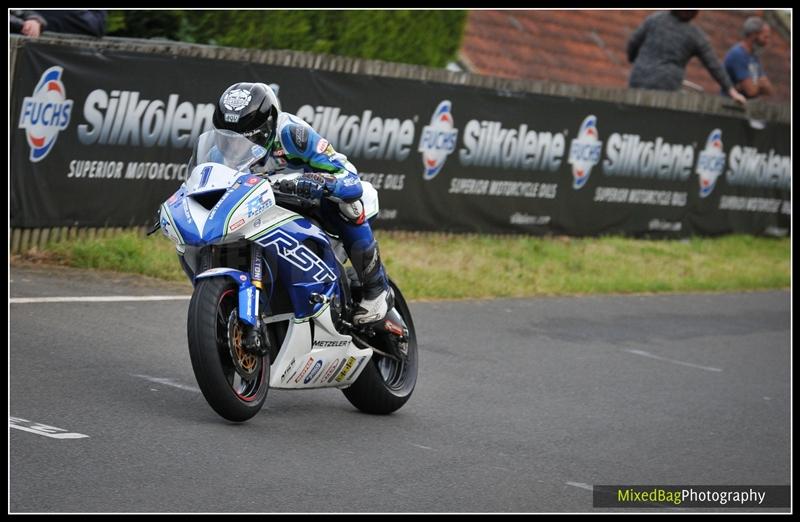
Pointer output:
x,y
444,266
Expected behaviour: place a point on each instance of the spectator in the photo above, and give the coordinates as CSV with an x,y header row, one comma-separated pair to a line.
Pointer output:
x,y
742,63
88,22
661,47
29,23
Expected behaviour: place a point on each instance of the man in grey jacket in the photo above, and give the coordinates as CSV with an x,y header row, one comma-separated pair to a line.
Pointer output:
x,y
661,47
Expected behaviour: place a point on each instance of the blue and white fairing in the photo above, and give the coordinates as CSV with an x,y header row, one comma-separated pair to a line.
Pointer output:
x,y
244,209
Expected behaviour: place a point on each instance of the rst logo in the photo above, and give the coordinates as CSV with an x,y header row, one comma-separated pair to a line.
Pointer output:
x,y
438,140
45,113
292,251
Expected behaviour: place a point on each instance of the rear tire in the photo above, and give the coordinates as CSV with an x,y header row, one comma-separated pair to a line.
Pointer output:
x,y
385,385
234,383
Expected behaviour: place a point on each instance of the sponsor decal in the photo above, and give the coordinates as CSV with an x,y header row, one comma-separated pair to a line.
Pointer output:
x,y
304,370
300,137
330,344
250,298
628,155
313,372
347,367
242,278
438,140
584,152
365,136
252,180
749,167
45,113
288,369
338,369
322,145
355,370
258,205
488,144
121,118
186,211
236,225
257,268
330,371
298,255
237,99
710,163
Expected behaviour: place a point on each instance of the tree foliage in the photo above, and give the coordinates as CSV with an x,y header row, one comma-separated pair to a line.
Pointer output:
x,y
418,37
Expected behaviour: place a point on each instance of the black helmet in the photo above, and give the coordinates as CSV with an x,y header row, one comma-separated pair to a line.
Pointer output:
x,y
251,109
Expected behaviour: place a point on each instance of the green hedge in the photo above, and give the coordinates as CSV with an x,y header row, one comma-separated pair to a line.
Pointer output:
x,y
429,38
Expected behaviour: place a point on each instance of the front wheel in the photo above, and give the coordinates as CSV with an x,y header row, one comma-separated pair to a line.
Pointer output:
x,y
386,384
233,381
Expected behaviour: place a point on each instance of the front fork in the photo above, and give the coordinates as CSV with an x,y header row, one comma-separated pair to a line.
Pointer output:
x,y
250,287
255,339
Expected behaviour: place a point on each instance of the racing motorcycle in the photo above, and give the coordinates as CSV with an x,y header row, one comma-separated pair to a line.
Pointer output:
x,y
273,302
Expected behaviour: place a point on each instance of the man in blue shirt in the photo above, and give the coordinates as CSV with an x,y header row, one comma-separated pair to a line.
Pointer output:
x,y
742,63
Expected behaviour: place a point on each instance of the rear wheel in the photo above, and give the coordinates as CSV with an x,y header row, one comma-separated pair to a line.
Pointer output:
x,y
386,384
233,381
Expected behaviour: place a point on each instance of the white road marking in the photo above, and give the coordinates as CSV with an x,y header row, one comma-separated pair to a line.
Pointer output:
x,y
673,361
43,429
420,446
168,382
98,299
580,485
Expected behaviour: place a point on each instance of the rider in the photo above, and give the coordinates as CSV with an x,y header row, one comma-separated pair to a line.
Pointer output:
x,y
253,110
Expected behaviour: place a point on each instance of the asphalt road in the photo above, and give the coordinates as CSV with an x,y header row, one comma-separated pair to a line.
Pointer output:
x,y
520,406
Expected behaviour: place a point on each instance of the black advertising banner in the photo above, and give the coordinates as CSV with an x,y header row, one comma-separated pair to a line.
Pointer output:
x,y
101,138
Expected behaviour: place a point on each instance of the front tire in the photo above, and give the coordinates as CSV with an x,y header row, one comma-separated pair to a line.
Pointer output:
x,y
234,382
385,385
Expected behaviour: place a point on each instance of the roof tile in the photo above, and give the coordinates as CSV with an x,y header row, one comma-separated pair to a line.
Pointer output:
x,y
588,47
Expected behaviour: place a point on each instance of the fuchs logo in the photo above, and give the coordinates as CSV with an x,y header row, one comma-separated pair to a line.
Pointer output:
x,y
584,152
438,140
46,113
710,163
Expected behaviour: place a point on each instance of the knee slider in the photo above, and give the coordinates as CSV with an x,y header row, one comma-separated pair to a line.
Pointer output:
x,y
352,212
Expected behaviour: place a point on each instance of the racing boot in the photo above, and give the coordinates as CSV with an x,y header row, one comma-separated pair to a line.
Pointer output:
x,y
376,296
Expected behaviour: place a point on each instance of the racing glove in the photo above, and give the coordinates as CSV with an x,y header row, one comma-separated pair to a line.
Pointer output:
x,y
313,185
